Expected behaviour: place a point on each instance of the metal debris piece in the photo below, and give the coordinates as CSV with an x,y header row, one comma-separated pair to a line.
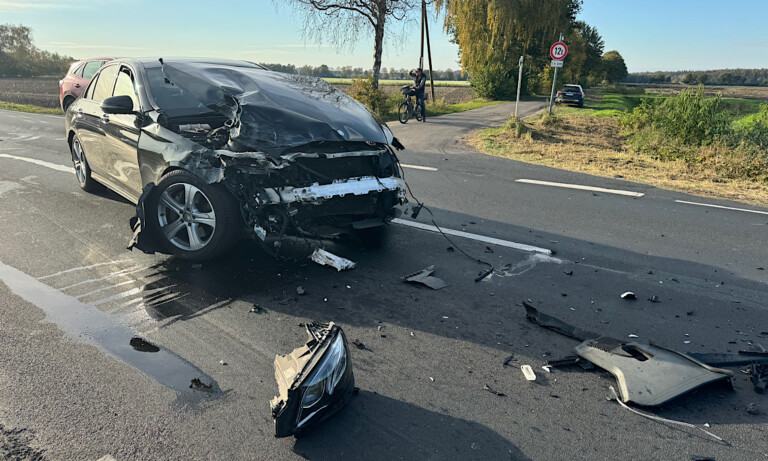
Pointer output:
x,y
759,376
484,274
223,362
325,258
258,309
654,299
556,325
493,391
359,344
425,277
632,336
628,295
729,360
528,372
649,375
615,397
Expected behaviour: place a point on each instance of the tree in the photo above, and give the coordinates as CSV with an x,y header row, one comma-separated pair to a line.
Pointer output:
x,y
20,58
343,21
493,34
614,67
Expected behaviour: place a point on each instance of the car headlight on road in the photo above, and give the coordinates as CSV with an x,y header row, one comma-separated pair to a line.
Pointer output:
x,y
315,380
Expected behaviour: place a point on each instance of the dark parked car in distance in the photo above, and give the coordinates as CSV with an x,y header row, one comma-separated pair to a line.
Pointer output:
x,y
209,149
73,84
573,94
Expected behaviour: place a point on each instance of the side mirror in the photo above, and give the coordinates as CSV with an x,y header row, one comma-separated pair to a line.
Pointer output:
x,y
117,105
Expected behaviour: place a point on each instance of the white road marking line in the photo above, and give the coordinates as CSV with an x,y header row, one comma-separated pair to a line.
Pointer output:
x,y
720,206
479,238
580,187
418,167
53,166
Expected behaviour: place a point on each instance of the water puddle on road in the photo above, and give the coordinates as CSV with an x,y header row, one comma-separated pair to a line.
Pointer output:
x,y
86,323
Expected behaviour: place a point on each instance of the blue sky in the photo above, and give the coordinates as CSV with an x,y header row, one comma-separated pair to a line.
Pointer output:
x,y
650,34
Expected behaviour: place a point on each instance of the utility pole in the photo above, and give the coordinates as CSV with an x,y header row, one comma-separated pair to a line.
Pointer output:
x,y
519,81
425,30
554,80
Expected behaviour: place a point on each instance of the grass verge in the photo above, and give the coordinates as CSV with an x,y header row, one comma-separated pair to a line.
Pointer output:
x,y
592,144
29,108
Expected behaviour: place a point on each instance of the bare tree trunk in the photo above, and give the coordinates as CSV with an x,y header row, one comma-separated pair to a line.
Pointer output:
x,y
378,43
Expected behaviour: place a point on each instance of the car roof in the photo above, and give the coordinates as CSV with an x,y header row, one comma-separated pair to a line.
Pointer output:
x,y
152,62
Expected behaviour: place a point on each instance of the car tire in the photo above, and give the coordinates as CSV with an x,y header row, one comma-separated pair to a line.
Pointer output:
x,y
581,104
82,169
373,237
192,219
67,102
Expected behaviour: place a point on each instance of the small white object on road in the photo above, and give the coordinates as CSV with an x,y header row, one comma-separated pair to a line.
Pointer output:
x,y
528,372
418,167
628,295
580,187
325,258
632,336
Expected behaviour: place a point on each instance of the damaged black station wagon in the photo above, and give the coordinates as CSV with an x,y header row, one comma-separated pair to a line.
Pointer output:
x,y
208,149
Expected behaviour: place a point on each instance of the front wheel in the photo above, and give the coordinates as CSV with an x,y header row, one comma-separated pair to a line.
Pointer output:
x,y
194,220
403,113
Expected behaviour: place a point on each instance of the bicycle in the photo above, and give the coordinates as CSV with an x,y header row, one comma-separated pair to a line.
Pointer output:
x,y
408,108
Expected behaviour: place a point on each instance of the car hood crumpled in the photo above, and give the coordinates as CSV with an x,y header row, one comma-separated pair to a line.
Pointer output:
x,y
275,111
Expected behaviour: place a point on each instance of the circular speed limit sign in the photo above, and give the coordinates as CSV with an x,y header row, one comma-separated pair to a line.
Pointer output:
x,y
558,51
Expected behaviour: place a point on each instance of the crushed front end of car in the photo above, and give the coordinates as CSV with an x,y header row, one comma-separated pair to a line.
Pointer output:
x,y
314,381
301,157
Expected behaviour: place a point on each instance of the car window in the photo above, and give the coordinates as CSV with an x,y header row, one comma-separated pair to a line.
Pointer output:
x,y
89,90
90,68
105,84
79,70
124,86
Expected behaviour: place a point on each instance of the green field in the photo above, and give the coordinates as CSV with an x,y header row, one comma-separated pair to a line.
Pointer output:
x,y
29,108
348,81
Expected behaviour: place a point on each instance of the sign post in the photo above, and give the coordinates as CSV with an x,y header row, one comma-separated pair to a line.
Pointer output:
x,y
558,52
519,81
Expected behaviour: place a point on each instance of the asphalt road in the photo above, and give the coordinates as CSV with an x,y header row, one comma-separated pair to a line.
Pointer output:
x,y
71,297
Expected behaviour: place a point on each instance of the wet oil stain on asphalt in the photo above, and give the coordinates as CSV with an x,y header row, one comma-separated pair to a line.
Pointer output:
x,y
86,323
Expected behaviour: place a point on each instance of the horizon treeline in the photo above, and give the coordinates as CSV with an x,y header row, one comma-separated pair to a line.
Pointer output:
x,y
746,77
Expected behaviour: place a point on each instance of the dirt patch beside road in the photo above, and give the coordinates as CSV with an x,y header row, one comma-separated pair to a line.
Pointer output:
x,y
42,92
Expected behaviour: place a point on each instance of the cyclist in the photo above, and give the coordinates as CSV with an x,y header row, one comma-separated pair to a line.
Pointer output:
x,y
419,82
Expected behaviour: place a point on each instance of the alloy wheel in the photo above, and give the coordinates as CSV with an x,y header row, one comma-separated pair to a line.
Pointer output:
x,y
186,216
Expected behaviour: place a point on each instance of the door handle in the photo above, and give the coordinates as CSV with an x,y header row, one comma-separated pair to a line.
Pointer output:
x,y
104,118
77,85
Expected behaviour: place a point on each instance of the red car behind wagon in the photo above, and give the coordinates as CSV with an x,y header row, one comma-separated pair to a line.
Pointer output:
x,y
77,78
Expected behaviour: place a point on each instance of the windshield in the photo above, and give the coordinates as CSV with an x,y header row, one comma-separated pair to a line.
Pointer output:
x,y
170,98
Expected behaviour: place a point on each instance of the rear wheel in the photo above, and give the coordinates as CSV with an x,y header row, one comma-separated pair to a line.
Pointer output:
x,y
403,112
67,102
194,220
82,169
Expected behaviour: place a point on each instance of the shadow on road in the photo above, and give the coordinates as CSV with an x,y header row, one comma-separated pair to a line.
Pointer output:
x,y
378,427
